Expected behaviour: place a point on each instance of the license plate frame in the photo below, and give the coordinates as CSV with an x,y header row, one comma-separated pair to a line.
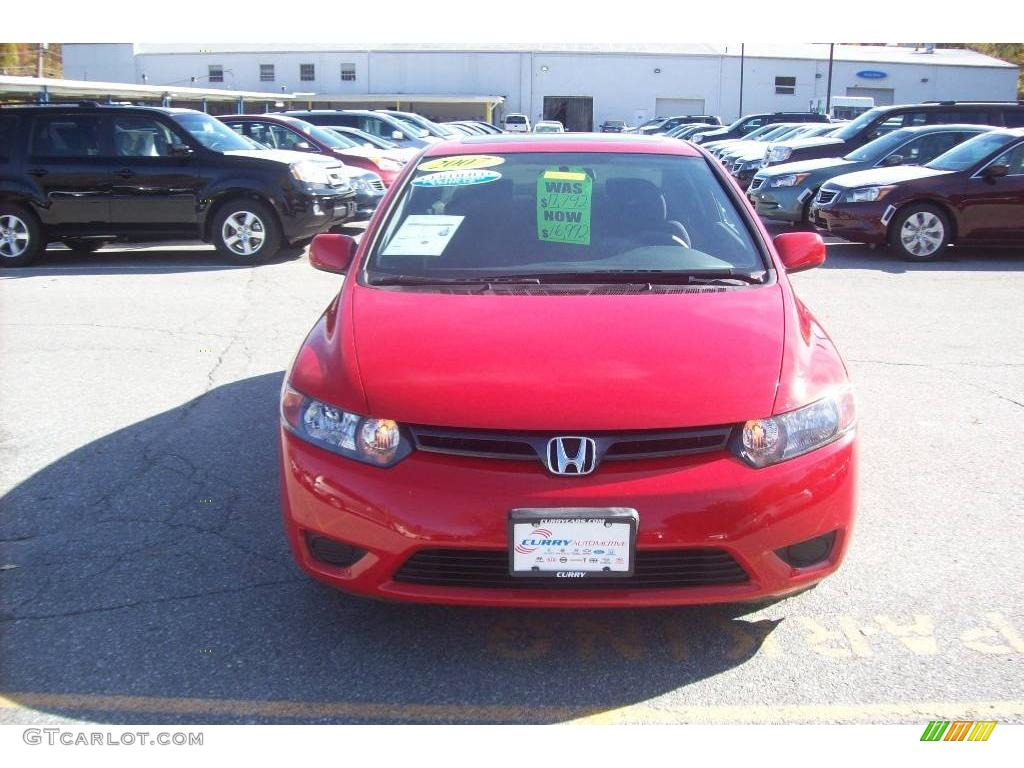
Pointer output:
x,y
581,521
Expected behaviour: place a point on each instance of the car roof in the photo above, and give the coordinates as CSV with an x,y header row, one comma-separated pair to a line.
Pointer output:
x,y
72,106
563,142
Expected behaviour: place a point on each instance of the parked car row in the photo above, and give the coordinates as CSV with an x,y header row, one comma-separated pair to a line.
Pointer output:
x,y
915,177
89,174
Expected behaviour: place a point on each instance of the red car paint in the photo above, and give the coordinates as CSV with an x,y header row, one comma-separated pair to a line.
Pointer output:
x,y
487,362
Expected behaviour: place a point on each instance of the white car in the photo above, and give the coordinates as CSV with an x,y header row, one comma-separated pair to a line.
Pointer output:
x,y
516,123
548,126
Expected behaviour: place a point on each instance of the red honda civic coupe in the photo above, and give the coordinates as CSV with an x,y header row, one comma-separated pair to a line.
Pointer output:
x,y
567,371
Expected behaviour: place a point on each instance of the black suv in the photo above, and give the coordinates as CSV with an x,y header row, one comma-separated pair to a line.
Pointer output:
x,y
879,121
89,174
749,123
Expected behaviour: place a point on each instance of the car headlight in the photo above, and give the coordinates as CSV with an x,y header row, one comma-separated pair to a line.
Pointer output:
x,y
763,442
311,172
777,153
789,180
868,194
379,442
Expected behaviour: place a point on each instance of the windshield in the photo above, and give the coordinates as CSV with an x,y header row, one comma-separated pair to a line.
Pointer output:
x,y
851,129
328,137
428,126
972,151
559,215
363,137
654,121
210,132
880,147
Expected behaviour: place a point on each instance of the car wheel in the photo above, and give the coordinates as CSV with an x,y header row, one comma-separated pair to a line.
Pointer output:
x,y
84,246
21,236
246,231
920,232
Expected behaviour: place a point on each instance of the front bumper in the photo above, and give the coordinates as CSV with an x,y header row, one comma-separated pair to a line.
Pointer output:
x,y
857,222
315,209
430,501
783,203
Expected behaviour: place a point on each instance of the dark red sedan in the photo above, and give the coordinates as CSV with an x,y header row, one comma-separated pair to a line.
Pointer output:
x,y
285,132
567,371
971,195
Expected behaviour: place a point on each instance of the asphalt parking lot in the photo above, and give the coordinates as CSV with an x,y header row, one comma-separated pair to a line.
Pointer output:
x,y
144,576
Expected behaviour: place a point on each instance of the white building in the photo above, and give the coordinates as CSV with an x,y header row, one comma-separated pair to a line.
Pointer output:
x,y
582,84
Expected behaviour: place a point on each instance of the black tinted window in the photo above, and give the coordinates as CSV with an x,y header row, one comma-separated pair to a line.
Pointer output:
x,y
1014,118
66,136
8,124
142,137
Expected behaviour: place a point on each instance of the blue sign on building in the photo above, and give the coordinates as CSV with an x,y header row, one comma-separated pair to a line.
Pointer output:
x,y
872,74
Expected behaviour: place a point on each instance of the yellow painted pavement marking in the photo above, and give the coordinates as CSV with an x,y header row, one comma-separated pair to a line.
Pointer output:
x,y
636,713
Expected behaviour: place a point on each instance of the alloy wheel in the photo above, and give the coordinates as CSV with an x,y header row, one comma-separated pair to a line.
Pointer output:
x,y
14,236
243,232
922,233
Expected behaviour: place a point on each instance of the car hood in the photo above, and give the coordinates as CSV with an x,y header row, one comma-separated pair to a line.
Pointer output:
x,y
541,362
812,141
894,175
808,166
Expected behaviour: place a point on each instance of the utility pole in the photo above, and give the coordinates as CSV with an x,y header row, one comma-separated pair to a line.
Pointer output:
x,y
40,58
743,50
828,88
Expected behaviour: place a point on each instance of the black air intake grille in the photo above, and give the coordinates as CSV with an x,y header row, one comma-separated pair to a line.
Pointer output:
x,y
655,569
611,446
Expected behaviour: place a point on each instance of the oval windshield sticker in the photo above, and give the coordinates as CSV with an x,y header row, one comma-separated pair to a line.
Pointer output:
x,y
461,162
455,178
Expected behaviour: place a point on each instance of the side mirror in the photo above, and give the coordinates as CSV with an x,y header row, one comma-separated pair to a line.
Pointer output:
x,y
893,160
996,171
799,250
332,253
179,150
397,135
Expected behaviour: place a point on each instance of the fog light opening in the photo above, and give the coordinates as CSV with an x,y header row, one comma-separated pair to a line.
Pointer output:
x,y
332,551
808,553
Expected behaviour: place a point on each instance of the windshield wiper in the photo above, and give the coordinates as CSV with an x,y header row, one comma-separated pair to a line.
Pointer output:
x,y
481,282
652,276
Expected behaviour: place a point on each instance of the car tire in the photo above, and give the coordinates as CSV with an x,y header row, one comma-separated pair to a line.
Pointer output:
x,y
84,246
246,231
21,236
920,232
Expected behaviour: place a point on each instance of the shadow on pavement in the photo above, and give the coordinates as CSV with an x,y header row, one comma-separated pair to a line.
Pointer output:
x,y
152,563
137,260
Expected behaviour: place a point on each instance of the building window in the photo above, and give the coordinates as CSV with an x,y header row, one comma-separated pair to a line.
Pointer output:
x,y
266,73
348,72
307,72
216,73
785,85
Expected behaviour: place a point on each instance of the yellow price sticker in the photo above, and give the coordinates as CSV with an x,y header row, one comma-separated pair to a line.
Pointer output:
x,y
461,162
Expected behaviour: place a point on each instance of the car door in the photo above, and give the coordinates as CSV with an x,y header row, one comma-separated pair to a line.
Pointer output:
x,y
992,209
924,149
69,162
156,182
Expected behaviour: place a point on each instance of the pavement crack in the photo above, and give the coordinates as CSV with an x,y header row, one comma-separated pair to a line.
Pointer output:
x,y
133,604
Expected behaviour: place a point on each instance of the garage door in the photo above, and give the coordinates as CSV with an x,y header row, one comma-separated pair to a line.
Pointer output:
x,y
673,107
883,96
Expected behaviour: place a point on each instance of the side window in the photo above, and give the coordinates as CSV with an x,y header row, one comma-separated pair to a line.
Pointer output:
x,y
8,124
925,148
374,126
285,138
1014,118
752,124
138,136
1013,158
66,135
261,132
238,128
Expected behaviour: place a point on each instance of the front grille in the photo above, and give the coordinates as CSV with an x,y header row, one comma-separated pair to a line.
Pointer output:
x,y
654,569
825,196
377,185
532,446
